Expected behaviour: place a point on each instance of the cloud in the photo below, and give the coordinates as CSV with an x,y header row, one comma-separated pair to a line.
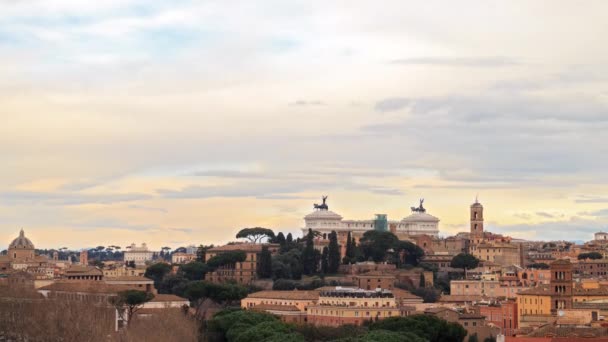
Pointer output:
x,y
307,103
392,104
572,229
67,198
146,208
591,199
475,62
544,214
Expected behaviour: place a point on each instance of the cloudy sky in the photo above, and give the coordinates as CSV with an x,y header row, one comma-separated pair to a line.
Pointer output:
x,y
177,122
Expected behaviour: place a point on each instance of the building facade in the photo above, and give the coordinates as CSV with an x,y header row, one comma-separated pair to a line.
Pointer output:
x,y
241,272
138,254
340,306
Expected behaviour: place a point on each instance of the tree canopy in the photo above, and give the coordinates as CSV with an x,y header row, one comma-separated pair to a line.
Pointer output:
x,y
226,258
464,261
429,327
376,244
194,270
256,234
157,271
590,255
128,302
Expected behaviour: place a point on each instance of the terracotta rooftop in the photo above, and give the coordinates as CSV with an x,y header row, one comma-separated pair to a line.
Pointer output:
x,y
293,295
376,274
457,298
86,287
540,290
273,307
245,247
403,294
168,298
128,278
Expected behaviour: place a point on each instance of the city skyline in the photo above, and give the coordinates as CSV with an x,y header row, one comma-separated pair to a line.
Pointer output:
x,y
170,124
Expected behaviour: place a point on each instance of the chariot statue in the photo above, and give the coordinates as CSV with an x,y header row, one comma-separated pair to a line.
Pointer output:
x,y
321,206
420,208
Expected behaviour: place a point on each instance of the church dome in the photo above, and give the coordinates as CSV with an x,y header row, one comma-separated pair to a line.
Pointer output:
x,y
21,242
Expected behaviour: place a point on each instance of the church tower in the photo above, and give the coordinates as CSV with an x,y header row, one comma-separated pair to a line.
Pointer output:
x,y
84,257
476,235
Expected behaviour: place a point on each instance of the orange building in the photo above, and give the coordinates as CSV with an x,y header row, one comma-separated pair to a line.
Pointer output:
x,y
501,314
374,280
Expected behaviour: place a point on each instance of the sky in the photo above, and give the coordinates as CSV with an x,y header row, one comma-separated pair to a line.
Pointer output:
x,y
181,122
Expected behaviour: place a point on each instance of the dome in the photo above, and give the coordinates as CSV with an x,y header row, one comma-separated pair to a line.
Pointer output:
x,y
420,217
323,215
21,242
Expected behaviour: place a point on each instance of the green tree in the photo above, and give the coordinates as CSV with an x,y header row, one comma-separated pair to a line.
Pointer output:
x,y
473,338
128,302
226,258
224,294
256,234
408,253
590,255
429,327
376,244
349,254
173,284
201,251
283,285
265,267
280,239
267,331
309,262
464,261
157,271
389,336
428,295
489,339
333,259
195,270
539,265
325,260
227,325
289,238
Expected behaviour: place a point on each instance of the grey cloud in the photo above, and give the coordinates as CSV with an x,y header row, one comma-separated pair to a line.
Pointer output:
x,y
598,213
544,214
571,229
498,137
68,198
392,104
591,199
524,216
483,62
109,223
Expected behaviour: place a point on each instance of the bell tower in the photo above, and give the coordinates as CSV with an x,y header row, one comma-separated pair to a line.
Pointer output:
x,y
476,235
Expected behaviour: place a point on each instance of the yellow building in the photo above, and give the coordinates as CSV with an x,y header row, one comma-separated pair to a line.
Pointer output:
x,y
298,299
502,253
341,306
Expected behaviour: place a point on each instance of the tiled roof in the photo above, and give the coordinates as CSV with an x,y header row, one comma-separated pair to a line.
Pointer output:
x,y
376,274
246,247
167,298
293,295
86,287
83,270
273,307
458,298
403,294
540,290
128,278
